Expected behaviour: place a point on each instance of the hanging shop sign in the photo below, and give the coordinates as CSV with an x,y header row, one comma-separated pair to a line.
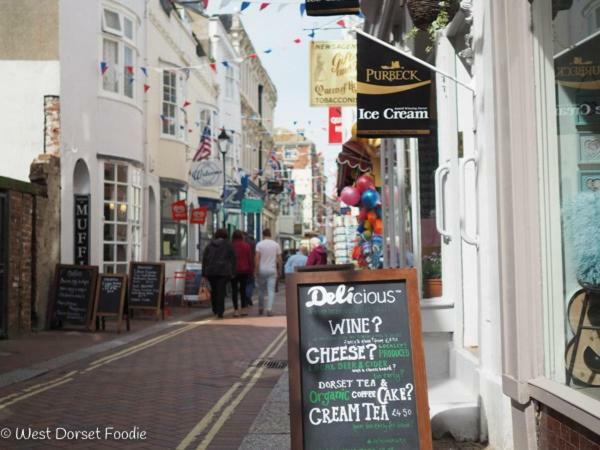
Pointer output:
x,y
179,210
206,174
82,229
357,371
335,125
333,73
199,215
394,93
331,7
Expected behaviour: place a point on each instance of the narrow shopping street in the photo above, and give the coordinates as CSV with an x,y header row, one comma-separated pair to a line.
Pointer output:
x,y
197,384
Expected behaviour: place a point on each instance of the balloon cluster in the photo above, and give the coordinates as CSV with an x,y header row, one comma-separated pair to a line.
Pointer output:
x,y
369,241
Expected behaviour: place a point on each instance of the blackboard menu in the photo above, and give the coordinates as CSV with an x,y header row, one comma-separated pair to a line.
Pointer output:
x,y
74,294
111,292
146,281
359,362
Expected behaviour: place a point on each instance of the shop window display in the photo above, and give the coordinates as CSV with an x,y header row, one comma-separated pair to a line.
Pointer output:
x,y
576,39
173,233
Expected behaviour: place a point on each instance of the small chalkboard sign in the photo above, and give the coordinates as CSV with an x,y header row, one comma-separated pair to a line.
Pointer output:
x,y
147,286
74,288
357,370
110,298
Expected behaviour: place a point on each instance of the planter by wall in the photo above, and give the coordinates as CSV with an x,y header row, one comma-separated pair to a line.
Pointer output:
x,y
432,288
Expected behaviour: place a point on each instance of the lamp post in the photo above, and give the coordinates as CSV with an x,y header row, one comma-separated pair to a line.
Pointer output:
x,y
224,141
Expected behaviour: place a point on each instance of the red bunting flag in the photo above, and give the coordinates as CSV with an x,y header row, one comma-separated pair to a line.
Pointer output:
x,y
146,87
129,70
341,23
264,5
205,3
297,40
186,104
253,56
213,66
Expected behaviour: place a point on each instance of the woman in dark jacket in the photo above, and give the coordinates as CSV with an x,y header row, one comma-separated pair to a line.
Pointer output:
x,y
245,267
218,265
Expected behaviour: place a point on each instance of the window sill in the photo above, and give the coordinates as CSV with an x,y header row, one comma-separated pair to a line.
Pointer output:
x,y
436,303
567,401
168,137
120,99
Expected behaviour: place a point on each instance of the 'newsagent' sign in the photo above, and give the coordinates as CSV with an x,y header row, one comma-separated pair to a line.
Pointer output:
x,y
356,361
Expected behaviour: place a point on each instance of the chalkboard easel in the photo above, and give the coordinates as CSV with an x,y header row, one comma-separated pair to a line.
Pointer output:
x,y
356,362
111,300
73,296
147,287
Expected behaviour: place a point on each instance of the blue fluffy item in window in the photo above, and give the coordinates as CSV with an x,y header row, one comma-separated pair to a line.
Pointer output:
x,y
581,218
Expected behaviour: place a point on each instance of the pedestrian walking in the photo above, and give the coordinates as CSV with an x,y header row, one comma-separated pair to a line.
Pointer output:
x,y
251,280
219,267
318,253
297,260
244,270
266,267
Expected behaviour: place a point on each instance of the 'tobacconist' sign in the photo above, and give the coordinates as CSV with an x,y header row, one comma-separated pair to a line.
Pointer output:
x,y
357,374
394,93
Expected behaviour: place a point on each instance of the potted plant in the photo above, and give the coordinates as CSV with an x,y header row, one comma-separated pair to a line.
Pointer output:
x,y
432,275
430,16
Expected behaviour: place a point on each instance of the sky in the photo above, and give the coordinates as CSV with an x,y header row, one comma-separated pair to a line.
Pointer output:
x,y
276,27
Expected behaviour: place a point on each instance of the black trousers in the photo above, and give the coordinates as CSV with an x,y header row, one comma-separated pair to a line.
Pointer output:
x,y
218,287
238,285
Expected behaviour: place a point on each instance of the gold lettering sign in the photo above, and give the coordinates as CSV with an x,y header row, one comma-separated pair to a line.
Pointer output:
x,y
333,73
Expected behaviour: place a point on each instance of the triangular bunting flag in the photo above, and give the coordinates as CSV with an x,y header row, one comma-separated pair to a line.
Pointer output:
x,y
213,66
244,5
129,69
297,40
263,5
341,23
146,87
103,67
225,63
205,3
253,56
302,8
268,50
186,104
144,71
131,79
311,34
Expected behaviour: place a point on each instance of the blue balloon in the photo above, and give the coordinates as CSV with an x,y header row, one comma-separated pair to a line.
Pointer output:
x,y
360,228
370,198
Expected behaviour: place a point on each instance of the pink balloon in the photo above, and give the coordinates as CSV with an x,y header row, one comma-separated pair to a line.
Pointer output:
x,y
364,183
350,196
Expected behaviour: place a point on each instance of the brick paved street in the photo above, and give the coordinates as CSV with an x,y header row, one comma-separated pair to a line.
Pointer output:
x,y
190,386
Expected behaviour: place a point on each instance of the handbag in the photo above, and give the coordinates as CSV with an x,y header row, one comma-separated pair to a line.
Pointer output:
x,y
204,294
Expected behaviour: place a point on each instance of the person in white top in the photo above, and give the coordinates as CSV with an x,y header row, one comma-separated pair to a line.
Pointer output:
x,y
266,267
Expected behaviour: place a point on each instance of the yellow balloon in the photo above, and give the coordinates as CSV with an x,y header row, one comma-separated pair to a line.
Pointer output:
x,y
368,225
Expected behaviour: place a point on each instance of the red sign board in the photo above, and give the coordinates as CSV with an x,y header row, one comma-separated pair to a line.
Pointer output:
x,y
335,125
199,215
179,210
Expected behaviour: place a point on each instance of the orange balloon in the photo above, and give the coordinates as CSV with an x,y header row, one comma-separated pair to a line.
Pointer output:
x,y
372,217
379,227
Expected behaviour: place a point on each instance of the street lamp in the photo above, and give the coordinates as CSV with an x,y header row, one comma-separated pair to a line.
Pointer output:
x,y
224,141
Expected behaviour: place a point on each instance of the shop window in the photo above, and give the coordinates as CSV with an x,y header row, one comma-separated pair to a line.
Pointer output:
x,y
575,354
122,216
174,234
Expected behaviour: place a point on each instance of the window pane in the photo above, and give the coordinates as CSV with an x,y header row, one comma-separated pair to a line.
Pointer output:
x,y
122,193
109,232
109,252
109,212
121,268
109,268
128,28
129,63
122,233
122,174
122,212
112,20
109,171
109,191
110,55
121,252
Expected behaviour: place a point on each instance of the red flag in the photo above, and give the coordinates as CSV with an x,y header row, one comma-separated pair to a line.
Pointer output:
x,y
205,3
297,40
199,215
129,70
186,104
179,210
341,23
264,5
335,125
146,87
253,56
213,66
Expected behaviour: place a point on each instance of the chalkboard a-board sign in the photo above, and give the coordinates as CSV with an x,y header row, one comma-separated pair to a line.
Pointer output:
x,y
74,289
146,286
357,370
110,297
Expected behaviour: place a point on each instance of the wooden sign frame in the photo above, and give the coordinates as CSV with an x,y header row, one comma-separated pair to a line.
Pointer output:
x,y
91,301
409,276
122,300
159,308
